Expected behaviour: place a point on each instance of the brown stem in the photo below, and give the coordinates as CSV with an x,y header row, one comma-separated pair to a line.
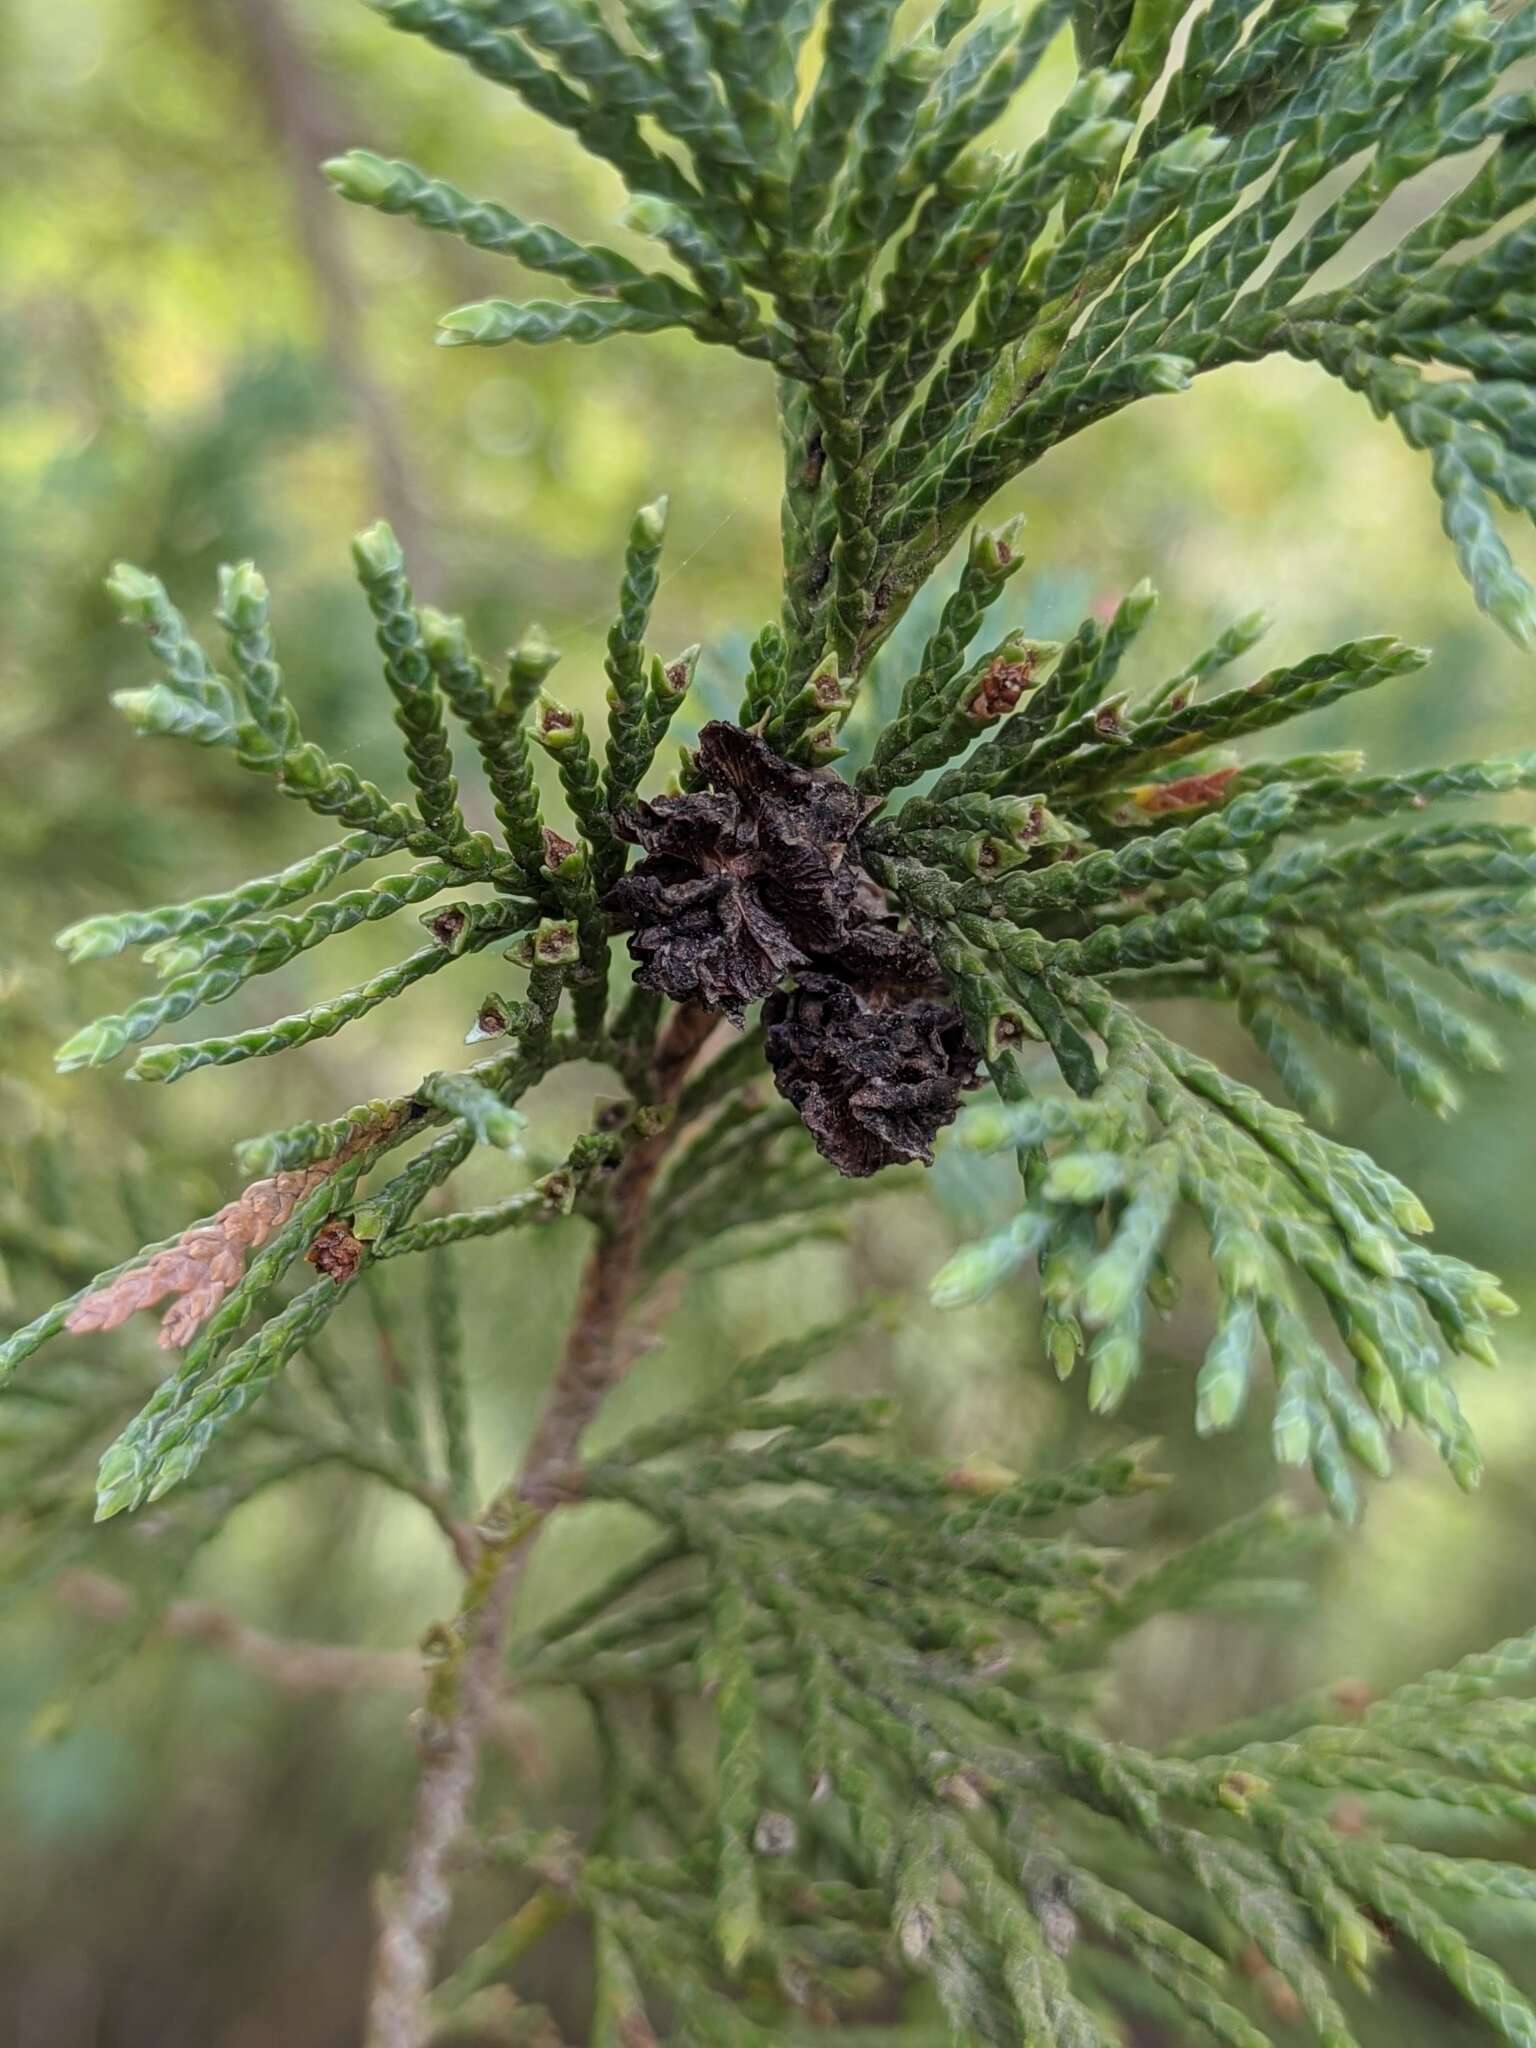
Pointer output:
x,y
414,1909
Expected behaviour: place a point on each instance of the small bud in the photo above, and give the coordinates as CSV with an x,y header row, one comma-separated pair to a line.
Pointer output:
x,y
1367,1442
334,1252
1163,372
377,552
986,854
821,740
1511,604
368,1223
975,1271
1114,1363
1315,27
1376,1383
826,689
987,1129
137,595
555,725
1006,1032
1063,1344
1471,27
94,938
528,664
921,63
647,215
736,1934
1162,1289
557,1191
444,638
1016,667
362,177
1490,1296
979,1270
675,679
1478,1345
242,596
1098,142
1355,1942
175,1466
158,1064
995,552
168,959
1084,1177
650,525
91,1046
1241,1261
1251,628
1465,1464
553,943
159,712
493,1019
484,321
1236,1789
1220,1391
1192,153
305,768
448,926
557,849
1108,721
973,170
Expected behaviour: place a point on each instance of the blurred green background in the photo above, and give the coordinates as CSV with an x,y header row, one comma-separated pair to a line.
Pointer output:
x,y
206,356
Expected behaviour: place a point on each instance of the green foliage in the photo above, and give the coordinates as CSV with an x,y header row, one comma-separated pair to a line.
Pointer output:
x,y
901,1667
897,1657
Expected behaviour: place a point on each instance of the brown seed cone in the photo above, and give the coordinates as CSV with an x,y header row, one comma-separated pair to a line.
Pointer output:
x,y
874,1073
741,881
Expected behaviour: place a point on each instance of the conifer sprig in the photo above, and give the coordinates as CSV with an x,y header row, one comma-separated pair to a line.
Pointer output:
x,y
1030,847
1029,326
1078,848
905,1631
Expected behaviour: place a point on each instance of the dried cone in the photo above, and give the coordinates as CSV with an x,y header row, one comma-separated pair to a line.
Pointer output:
x,y
742,881
874,1071
756,877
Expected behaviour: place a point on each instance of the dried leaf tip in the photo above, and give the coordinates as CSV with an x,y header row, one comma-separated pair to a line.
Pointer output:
x,y
206,1262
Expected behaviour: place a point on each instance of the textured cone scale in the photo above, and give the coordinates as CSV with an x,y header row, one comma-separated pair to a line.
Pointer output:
x,y
752,879
742,881
874,1075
